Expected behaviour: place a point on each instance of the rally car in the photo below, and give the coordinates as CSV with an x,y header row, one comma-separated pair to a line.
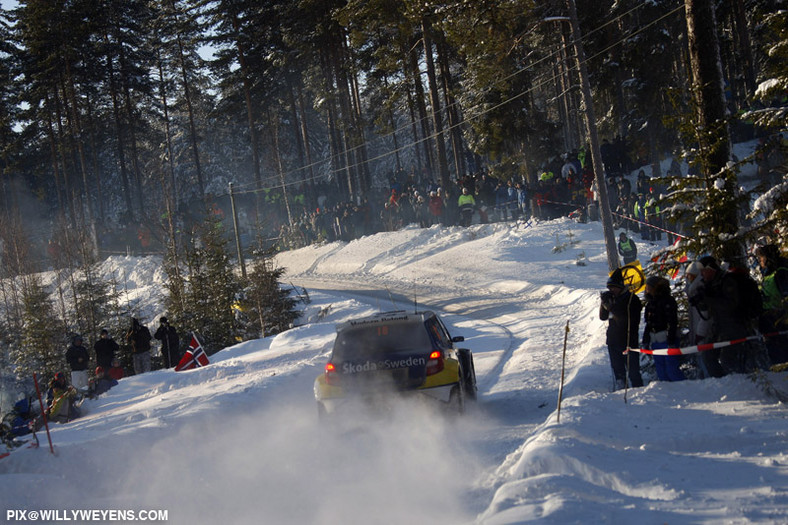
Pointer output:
x,y
396,353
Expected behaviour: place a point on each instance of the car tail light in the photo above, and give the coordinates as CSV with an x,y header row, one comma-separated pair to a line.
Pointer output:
x,y
332,376
435,362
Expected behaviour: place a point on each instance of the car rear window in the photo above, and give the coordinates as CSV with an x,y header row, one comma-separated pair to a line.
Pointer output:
x,y
376,340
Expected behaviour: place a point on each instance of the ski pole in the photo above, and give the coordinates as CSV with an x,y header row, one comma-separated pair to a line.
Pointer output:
x,y
563,369
43,413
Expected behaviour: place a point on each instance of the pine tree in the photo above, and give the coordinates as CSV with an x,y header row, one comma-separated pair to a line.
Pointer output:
x,y
98,303
212,288
708,201
269,307
42,346
773,33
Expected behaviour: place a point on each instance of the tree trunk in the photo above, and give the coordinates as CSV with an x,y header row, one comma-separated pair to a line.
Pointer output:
x,y
119,133
171,191
77,133
714,137
131,124
67,189
359,127
417,150
344,121
452,110
189,107
745,46
421,106
572,94
94,150
53,158
280,167
309,172
707,81
353,141
250,120
393,124
437,122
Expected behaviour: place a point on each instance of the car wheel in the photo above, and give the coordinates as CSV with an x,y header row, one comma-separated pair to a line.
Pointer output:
x,y
467,373
470,381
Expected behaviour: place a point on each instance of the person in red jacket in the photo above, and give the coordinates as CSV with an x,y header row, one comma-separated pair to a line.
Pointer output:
x,y
116,371
436,207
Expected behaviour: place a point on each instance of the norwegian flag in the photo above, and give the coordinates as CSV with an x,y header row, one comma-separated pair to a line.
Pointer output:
x,y
194,356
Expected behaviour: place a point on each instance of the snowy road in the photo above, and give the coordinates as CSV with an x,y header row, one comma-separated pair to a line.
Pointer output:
x,y
517,340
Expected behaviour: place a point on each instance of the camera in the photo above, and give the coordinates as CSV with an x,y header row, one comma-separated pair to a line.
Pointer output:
x,y
607,298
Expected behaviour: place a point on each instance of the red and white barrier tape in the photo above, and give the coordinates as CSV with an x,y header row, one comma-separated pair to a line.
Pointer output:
x,y
702,347
645,224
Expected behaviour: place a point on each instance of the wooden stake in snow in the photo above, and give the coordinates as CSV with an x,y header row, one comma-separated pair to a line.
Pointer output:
x,y
563,368
43,413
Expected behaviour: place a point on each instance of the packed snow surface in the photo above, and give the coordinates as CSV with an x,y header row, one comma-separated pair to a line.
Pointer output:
x,y
239,441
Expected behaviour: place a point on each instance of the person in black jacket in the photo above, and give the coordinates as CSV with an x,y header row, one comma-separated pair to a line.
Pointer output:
x,y
139,338
105,349
621,308
168,336
734,302
661,330
78,359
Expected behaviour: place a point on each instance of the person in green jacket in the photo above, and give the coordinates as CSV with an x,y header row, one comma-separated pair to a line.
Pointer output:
x,y
467,205
627,248
774,289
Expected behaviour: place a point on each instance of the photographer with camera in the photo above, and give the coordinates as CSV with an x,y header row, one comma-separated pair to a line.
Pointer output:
x,y
621,308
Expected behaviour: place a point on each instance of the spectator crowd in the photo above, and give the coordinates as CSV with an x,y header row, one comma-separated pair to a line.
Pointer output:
x,y
739,324
65,394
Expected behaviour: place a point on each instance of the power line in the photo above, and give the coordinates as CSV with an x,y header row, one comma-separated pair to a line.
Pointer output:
x,y
547,78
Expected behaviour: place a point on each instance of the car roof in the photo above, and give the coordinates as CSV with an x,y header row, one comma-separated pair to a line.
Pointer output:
x,y
397,316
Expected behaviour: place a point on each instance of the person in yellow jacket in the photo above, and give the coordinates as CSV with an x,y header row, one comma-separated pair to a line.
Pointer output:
x,y
466,205
627,248
654,218
61,399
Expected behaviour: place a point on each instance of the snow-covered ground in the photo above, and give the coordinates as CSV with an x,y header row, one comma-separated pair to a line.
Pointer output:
x,y
239,440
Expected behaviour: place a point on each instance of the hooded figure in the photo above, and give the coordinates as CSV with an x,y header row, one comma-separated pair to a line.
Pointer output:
x,y
168,335
139,338
621,308
78,359
661,330
105,349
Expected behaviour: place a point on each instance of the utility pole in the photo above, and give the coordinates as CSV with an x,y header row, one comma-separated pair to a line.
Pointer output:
x,y
593,139
237,236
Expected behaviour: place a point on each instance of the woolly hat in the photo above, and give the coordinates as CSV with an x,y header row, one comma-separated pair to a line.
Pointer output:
x,y
694,268
707,261
616,279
